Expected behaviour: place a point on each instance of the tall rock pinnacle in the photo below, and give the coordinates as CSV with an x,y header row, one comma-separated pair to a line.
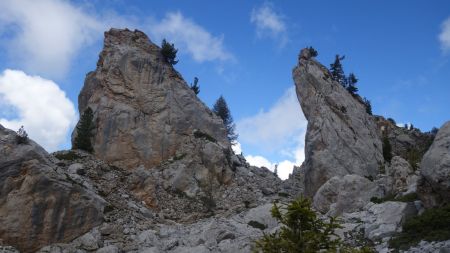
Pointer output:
x,y
143,110
341,137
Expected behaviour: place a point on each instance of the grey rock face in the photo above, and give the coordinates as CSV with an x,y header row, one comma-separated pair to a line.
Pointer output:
x,y
341,137
146,116
144,112
434,189
39,205
400,177
345,194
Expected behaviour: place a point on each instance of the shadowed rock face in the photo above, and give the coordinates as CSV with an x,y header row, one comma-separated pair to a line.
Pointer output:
x,y
341,137
38,204
434,190
143,110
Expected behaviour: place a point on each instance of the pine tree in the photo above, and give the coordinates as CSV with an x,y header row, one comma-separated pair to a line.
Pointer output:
x,y
169,52
195,87
313,52
368,105
221,109
351,84
84,132
22,136
337,71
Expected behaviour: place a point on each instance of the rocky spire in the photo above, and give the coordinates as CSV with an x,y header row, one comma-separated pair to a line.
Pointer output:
x,y
341,137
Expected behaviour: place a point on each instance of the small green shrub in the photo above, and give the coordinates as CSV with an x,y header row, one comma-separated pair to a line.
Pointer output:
x,y
410,197
200,134
68,156
256,224
302,231
432,225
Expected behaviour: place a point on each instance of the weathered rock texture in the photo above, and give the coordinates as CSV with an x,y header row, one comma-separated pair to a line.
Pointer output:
x,y
434,188
341,137
345,194
146,117
39,204
144,112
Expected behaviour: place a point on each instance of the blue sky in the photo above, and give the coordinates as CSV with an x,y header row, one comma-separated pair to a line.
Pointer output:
x,y
243,50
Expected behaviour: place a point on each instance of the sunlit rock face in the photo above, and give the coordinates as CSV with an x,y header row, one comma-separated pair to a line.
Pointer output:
x,y
38,204
341,137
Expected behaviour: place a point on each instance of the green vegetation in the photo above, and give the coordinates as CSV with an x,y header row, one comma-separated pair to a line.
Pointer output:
x,y
199,134
413,156
169,52
432,225
410,197
69,156
387,149
313,52
84,132
22,136
195,87
351,84
302,231
368,105
221,109
337,71
256,224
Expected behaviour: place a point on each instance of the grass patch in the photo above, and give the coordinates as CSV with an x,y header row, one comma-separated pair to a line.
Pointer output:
x,y
200,134
69,156
410,197
256,224
432,225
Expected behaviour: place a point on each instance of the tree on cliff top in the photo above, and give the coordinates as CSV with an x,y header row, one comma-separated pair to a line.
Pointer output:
x,y
221,109
195,87
337,71
169,52
84,132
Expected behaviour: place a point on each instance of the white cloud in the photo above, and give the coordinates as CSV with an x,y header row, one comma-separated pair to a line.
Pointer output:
x,y
190,37
47,34
274,128
284,168
280,132
237,149
444,36
269,23
41,106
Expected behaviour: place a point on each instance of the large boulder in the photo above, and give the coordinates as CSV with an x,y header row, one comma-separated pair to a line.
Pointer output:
x,y
434,188
345,194
341,137
400,177
39,204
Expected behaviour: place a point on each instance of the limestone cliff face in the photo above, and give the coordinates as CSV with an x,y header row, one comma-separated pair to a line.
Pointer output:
x,y
143,109
434,190
39,205
341,137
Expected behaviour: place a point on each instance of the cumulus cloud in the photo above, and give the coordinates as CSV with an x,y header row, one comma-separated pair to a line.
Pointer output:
x,y
444,36
190,37
46,35
269,23
279,131
40,105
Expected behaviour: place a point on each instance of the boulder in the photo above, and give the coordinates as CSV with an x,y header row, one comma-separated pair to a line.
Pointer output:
x,y
349,193
400,177
434,188
341,137
39,204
